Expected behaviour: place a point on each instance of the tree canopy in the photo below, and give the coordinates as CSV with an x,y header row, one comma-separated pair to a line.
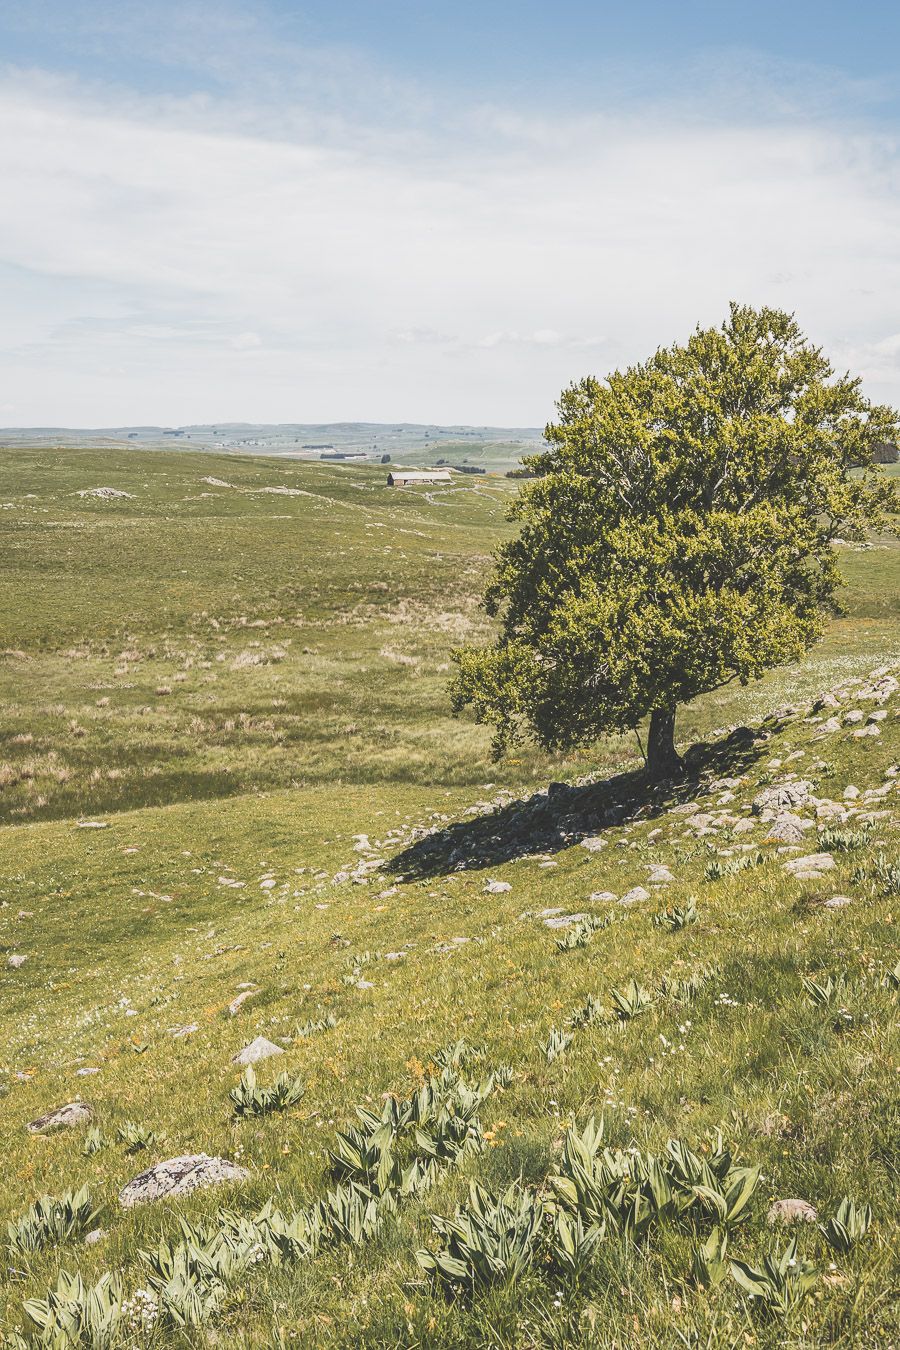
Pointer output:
x,y
678,535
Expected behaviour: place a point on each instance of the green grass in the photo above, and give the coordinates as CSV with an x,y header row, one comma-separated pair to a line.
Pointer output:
x,y
265,773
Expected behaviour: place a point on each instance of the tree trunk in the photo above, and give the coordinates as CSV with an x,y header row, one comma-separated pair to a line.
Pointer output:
x,y
663,760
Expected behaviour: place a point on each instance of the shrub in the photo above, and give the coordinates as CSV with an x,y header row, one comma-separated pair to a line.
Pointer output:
x,y
249,1100
488,1241
52,1218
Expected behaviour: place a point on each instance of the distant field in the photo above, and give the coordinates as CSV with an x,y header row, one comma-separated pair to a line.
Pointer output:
x,y
221,704
192,641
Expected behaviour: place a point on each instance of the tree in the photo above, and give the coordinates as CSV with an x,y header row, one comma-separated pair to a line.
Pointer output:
x,y
678,535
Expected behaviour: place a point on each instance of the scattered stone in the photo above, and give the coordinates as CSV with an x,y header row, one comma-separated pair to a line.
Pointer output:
x,y
870,729
105,494
788,828
593,843
179,1176
826,701
187,1030
782,797
86,1072
601,897
850,793
853,716
62,1118
829,727
94,1236
744,826
497,887
791,1211
16,961
564,920
93,825
216,482
635,896
837,902
809,867
877,716
659,875
256,1050
237,1003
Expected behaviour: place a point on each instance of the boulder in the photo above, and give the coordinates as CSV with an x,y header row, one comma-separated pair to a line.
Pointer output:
x,y
179,1176
257,1050
497,887
810,866
791,1211
853,716
62,1118
870,729
788,828
564,920
593,843
599,897
658,875
782,797
635,896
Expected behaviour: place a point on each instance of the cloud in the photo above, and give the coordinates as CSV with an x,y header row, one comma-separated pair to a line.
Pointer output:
x,y
455,274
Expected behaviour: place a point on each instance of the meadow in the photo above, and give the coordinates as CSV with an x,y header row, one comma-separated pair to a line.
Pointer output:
x,y
228,768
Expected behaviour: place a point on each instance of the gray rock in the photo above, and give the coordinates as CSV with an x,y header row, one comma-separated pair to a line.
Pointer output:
x,y
179,1176
837,902
598,897
236,1004
16,961
791,1211
635,896
594,843
811,865
62,1118
257,1050
878,716
94,1236
788,828
851,793
782,797
853,716
829,727
658,875
744,826
563,920
497,887
178,1033
870,729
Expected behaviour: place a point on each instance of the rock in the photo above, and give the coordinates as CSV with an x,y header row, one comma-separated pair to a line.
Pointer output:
x,y
878,716
810,866
187,1030
257,1050
829,727
791,1211
497,887
594,843
564,920
744,826
837,902
94,1236
853,716
788,828
599,897
850,793
658,875
86,1072
635,896
236,1004
826,701
870,729
782,797
62,1118
179,1176
16,961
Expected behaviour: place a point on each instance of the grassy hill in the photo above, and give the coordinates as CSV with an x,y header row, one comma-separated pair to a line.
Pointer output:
x,y
222,706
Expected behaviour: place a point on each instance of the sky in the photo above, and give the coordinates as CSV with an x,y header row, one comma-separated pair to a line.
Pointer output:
x,y
216,210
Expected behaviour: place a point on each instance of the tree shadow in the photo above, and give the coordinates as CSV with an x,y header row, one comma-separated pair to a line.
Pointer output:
x,y
565,813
